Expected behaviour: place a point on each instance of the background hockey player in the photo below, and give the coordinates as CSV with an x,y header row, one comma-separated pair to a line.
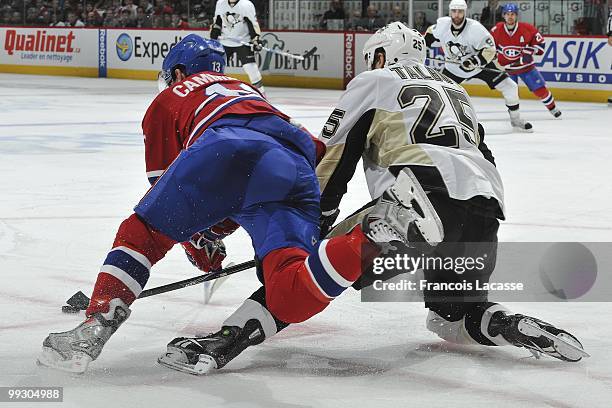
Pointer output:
x,y
235,22
400,115
518,43
225,157
468,48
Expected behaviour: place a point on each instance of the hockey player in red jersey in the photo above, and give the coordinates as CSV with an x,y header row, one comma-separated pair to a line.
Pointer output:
x,y
517,44
220,156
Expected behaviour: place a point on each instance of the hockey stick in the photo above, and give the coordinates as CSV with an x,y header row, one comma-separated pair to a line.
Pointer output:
x,y
283,53
497,71
79,301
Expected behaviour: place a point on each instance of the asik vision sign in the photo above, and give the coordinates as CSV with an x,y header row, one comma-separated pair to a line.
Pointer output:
x,y
45,48
577,62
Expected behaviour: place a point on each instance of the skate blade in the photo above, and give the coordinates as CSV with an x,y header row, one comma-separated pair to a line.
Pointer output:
x,y
52,359
408,188
522,130
211,287
172,360
565,345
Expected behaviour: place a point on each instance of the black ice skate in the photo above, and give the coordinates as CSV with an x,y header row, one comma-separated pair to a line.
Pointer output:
x,y
200,355
404,213
536,336
73,350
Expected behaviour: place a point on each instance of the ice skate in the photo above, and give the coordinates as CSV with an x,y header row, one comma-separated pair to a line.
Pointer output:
x,y
200,355
404,213
73,350
555,112
518,123
536,336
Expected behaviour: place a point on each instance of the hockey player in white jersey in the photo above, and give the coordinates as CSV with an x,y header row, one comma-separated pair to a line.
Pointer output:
x,y
403,115
236,23
468,48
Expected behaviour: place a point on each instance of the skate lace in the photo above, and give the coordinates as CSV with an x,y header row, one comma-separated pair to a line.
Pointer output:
x,y
380,231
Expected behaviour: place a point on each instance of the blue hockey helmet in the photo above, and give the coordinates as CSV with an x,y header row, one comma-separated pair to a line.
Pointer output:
x,y
191,55
510,8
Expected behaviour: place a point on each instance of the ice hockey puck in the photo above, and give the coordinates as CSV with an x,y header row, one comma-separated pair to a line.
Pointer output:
x,y
70,309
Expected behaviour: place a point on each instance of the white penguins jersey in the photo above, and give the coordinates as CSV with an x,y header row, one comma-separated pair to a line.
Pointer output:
x,y
234,27
403,116
468,42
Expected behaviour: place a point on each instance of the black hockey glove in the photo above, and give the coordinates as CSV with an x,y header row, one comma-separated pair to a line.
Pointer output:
x,y
470,63
256,44
215,32
327,220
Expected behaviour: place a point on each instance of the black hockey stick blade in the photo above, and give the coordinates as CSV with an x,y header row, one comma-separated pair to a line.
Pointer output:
x,y
78,301
82,301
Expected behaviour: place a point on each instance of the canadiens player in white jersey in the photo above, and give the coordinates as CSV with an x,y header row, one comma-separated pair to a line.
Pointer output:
x,y
236,23
468,48
402,116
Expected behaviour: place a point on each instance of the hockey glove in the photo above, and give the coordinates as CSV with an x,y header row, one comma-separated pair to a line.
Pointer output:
x,y
256,44
207,258
205,250
470,63
215,32
327,220
526,57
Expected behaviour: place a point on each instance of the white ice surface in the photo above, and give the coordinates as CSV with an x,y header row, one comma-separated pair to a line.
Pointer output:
x,y
71,166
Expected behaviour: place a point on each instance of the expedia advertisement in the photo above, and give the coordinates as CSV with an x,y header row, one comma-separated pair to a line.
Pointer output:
x,y
139,53
131,53
69,48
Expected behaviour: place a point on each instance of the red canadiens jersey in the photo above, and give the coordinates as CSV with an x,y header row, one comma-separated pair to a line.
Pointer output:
x,y
181,113
525,38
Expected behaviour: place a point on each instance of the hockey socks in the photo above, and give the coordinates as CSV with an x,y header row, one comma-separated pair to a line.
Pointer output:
x,y
126,268
548,100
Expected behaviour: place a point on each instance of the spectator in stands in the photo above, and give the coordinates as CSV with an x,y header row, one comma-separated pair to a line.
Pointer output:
x,y
609,27
131,7
15,19
166,20
335,12
581,26
44,18
397,15
420,22
354,20
143,19
372,21
31,16
72,20
491,14
183,23
125,18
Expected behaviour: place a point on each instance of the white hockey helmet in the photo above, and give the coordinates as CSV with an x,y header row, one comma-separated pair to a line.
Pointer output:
x,y
400,43
457,5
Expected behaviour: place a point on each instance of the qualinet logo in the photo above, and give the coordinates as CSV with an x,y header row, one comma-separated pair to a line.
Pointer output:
x,y
41,41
